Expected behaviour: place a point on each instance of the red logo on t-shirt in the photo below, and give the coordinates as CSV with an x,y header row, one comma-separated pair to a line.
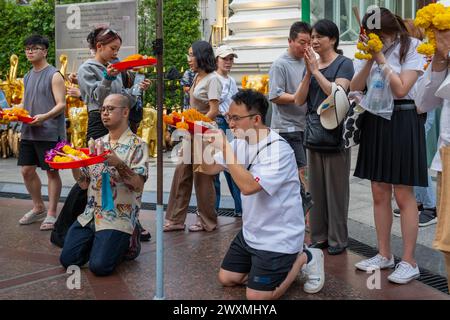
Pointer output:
x,y
257,179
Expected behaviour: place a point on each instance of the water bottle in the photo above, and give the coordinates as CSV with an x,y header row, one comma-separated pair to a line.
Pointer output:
x,y
377,87
136,90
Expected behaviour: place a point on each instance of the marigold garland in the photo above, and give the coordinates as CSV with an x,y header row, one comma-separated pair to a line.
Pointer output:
x,y
373,45
430,17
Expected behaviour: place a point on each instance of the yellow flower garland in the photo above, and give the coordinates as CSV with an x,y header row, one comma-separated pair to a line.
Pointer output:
x,y
430,17
373,45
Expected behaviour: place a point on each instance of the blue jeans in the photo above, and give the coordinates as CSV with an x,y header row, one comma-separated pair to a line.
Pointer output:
x,y
234,189
103,249
426,195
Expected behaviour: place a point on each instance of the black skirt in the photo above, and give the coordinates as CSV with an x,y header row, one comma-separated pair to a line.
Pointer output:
x,y
393,151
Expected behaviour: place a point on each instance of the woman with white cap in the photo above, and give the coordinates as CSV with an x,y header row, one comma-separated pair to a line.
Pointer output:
x,y
224,60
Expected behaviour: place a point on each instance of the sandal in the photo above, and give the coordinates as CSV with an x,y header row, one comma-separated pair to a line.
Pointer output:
x,y
48,223
173,227
196,227
31,217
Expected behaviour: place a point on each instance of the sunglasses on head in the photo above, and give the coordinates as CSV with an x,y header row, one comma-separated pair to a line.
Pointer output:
x,y
104,33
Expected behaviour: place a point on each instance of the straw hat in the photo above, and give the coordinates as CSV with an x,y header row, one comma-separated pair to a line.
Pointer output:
x,y
332,110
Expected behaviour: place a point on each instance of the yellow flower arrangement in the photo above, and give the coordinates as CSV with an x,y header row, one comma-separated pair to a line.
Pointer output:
x,y
190,115
373,45
430,17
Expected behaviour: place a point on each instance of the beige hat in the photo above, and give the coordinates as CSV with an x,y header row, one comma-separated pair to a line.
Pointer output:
x,y
333,109
224,51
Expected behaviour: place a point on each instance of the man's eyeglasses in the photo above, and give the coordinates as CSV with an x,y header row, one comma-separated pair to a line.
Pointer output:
x,y
108,109
236,118
108,31
33,49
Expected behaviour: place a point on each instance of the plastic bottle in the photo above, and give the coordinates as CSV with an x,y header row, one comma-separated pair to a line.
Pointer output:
x,y
377,87
136,90
91,146
100,147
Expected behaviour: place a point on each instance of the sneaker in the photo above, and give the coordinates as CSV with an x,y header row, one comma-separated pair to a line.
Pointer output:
x,y
404,273
377,262
314,272
397,211
427,217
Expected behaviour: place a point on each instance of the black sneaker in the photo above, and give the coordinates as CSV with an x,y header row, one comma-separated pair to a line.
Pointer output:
x,y
427,217
397,211
307,202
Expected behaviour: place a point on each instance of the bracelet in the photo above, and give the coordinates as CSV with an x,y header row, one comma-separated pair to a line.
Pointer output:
x,y
108,77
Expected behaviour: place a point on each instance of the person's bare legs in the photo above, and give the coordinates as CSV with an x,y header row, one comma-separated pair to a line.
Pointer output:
x,y
33,185
54,191
382,208
404,195
230,279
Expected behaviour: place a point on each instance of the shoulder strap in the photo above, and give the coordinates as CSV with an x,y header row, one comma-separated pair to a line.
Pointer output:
x,y
262,148
339,66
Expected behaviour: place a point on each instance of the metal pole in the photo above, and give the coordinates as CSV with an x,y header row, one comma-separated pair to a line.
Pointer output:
x,y
306,11
158,49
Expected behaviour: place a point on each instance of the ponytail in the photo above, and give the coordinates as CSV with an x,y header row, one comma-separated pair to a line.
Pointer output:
x,y
405,40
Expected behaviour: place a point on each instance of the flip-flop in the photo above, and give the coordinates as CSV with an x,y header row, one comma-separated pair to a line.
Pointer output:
x,y
196,227
168,227
48,223
31,217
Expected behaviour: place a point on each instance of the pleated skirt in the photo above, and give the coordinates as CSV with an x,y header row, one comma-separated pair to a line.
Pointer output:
x,y
393,151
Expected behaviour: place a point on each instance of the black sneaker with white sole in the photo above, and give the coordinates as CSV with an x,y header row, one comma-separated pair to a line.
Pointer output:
x,y
427,217
397,211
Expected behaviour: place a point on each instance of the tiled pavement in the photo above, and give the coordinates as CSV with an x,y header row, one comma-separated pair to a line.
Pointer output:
x,y
29,268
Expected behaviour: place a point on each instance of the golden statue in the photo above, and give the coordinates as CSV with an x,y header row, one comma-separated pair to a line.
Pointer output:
x,y
13,87
78,117
259,82
148,130
71,101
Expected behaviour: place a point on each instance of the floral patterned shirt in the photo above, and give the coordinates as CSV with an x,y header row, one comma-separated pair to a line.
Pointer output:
x,y
134,152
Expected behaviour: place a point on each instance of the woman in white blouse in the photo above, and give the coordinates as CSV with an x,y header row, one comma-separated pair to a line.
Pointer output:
x,y
392,153
429,96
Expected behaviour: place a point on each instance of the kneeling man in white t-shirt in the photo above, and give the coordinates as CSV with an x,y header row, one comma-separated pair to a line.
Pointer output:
x,y
268,253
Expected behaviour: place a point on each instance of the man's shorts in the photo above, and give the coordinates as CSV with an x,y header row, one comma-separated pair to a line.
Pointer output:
x,y
266,270
295,140
32,153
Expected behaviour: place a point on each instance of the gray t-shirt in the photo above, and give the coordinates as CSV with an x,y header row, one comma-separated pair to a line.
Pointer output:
x,y
341,67
38,99
285,76
208,88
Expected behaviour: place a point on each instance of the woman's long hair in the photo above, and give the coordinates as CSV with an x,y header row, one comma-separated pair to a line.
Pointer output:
x,y
204,54
393,25
328,29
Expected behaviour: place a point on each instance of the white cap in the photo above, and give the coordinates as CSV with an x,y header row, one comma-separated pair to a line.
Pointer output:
x,y
224,51
333,109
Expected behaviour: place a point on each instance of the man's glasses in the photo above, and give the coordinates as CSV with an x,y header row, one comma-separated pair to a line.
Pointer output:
x,y
33,49
236,118
108,109
108,31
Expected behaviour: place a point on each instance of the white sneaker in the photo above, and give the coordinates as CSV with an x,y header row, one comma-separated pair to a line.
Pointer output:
x,y
404,273
377,262
314,272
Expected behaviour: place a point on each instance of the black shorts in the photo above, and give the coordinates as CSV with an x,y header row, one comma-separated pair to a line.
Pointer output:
x,y
295,140
266,270
32,153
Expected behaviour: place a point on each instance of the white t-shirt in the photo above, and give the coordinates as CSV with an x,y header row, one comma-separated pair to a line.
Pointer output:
x,y
272,218
413,61
229,89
